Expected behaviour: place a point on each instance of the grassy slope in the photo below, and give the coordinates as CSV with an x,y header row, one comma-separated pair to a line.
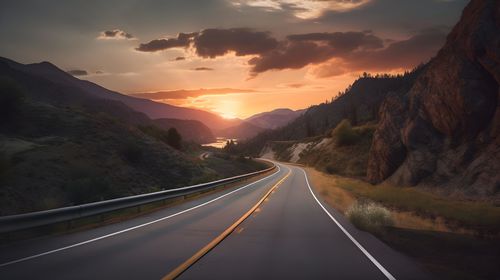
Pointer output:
x,y
69,156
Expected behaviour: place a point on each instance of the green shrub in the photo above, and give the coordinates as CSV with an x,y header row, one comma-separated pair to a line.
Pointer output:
x,y
174,139
344,134
369,216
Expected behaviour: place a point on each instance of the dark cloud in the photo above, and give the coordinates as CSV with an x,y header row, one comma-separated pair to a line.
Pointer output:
x,y
203,69
182,40
115,34
180,58
78,72
343,41
404,54
242,41
182,94
290,55
300,50
213,42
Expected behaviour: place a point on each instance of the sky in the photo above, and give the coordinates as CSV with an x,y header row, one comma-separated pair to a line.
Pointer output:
x,y
232,57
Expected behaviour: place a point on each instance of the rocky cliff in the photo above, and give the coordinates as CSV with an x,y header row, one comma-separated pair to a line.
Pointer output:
x,y
445,130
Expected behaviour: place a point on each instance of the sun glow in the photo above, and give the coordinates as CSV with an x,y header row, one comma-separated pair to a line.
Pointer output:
x,y
227,116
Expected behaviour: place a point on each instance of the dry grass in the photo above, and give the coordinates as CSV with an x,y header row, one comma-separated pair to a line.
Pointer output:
x,y
411,208
370,216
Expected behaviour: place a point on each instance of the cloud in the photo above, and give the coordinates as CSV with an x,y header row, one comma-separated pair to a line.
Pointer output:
x,y
403,54
77,72
295,85
183,94
305,9
180,58
115,34
300,50
182,40
203,69
343,41
211,43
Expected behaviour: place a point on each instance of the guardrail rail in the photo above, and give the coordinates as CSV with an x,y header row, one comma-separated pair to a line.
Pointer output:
x,y
26,221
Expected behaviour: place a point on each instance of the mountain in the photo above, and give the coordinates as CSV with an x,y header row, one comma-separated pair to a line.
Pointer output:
x,y
258,123
190,130
242,131
152,109
275,118
445,130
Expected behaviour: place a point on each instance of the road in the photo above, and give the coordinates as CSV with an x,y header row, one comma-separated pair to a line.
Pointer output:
x,y
290,235
204,155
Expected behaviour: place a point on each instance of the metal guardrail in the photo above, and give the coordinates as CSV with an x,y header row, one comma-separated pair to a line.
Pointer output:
x,y
42,218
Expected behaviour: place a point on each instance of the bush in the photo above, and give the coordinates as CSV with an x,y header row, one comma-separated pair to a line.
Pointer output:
x,y
369,216
174,139
344,134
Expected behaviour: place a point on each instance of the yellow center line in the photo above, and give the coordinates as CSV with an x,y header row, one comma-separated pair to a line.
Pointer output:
x,y
198,255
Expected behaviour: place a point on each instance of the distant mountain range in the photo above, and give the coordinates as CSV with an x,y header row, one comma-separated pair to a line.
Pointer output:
x,y
258,123
275,118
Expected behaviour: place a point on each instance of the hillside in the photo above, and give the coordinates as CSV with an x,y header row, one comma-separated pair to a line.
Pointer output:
x,y
152,109
190,130
55,155
445,130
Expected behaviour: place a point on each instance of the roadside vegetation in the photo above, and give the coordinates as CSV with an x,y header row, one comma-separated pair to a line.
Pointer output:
x,y
453,239
369,216
345,153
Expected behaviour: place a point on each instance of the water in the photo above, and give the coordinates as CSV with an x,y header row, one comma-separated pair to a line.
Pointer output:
x,y
220,142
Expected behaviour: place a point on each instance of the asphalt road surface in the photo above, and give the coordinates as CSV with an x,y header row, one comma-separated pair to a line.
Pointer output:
x,y
291,235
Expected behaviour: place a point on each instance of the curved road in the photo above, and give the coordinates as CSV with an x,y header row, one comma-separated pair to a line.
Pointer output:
x,y
291,235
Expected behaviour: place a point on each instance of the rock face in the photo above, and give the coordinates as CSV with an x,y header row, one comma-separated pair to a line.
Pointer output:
x,y
445,130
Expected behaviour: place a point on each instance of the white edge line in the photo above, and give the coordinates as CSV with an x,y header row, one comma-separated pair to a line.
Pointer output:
x,y
367,254
134,227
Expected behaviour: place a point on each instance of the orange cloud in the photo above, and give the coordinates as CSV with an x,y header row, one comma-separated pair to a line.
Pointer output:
x,y
183,93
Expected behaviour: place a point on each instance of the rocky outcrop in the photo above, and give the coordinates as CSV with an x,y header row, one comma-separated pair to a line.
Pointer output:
x,y
445,130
